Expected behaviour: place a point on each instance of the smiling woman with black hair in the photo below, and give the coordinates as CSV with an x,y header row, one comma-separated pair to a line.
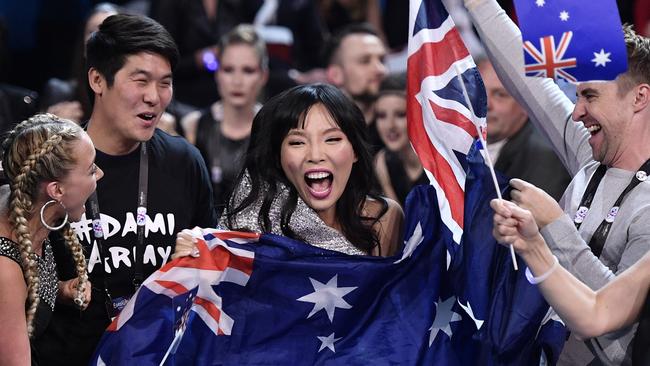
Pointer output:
x,y
308,175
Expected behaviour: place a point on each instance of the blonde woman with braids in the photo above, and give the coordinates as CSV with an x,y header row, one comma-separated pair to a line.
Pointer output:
x,y
49,163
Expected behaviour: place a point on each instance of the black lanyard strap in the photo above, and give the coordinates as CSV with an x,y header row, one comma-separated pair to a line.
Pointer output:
x,y
599,236
589,194
141,219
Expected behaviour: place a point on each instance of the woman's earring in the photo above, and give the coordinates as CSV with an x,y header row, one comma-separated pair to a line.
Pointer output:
x,y
65,219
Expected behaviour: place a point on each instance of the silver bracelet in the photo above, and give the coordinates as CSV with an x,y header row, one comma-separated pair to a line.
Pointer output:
x,y
539,279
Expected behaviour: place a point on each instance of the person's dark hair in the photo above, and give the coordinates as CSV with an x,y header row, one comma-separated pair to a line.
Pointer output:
x,y
82,91
123,35
333,44
638,60
393,84
271,125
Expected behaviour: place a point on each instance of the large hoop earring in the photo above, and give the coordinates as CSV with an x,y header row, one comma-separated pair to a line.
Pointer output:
x,y
65,219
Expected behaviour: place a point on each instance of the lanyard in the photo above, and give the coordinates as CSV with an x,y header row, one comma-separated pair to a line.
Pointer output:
x,y
141,219
599,236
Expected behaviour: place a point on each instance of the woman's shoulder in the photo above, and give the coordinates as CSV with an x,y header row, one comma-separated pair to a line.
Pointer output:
x,y
374,207
10,264
390,219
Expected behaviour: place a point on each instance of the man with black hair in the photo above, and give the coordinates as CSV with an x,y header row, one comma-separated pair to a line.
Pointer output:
x,y
355,64
154,184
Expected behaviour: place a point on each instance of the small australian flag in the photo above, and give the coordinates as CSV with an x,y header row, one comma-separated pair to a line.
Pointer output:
x,y
572,39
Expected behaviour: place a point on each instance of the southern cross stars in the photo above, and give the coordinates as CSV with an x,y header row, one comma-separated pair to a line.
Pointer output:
x,y
470,312
327,342
601,58
564,15
540,3
444,317
327,296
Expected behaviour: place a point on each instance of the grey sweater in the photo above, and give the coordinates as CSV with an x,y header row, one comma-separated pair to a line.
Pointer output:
x,y
550,110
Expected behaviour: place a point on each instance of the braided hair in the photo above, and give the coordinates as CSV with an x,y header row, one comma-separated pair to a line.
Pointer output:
x,y
38,150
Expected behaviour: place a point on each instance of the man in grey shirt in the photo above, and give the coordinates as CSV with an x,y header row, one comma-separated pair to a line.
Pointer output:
x,y
613,133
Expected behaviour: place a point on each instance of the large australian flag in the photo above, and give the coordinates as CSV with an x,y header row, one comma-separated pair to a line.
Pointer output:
x,y
269,300
572,39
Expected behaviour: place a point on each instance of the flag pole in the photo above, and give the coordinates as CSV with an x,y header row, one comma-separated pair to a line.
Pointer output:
x,y
487,154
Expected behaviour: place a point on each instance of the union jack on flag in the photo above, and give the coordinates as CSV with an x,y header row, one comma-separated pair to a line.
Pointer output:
x,y
441,125
549,60
587,49
188,285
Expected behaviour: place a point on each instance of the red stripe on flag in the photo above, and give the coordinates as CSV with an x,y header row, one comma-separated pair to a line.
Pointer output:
x,y
454,117
431,158
434,59
210,307
113,326
228,235
172,285
216,260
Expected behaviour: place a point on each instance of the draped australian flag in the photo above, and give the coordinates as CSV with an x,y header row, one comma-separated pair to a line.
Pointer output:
x,y
448,297
572,39
251,300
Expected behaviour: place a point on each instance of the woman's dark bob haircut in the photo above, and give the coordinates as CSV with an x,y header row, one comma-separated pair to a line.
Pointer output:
x,y
271,125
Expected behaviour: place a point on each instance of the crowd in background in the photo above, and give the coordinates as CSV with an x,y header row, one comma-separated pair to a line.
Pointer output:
x,y
42,40
237,61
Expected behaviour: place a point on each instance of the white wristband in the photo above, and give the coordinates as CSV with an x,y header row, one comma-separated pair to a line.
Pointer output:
x,y
539,279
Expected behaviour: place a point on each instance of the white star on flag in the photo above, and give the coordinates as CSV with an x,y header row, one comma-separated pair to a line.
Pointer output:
x,y
601,58
564,15
470,312
327,342
413,242
327,296
540,3
444,317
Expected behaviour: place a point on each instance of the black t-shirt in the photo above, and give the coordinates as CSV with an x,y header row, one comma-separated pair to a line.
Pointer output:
x,y
179,196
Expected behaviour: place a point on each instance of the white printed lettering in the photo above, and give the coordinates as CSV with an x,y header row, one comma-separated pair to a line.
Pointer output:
x,y
94,257
171,221
119,254
149,255
82,228
130,225
164,253
110,226
158,224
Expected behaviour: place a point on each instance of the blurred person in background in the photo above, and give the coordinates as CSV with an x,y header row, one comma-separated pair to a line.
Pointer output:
x,y
70,99
397,165
221,132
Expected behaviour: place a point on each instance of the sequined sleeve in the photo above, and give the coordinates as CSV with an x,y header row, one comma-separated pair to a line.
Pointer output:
x,y
9,249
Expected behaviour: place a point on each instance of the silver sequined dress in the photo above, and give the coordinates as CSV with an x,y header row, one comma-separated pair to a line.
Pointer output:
x,y
305,222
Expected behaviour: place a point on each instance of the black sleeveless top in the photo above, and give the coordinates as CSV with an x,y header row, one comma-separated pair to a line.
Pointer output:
x,y
223,157
46,291
399,178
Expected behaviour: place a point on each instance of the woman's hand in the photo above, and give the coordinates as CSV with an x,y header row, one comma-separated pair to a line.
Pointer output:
x,y
185,245
68,292
515,226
